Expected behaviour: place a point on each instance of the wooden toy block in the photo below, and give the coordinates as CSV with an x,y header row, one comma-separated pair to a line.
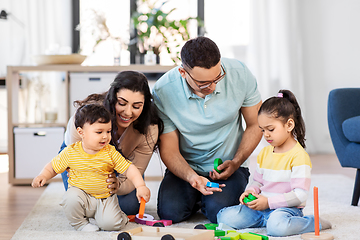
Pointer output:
x,y
131,218
217,162
156,233
142,208
211,226
262,236
249,198
233,235
219,233
249,236
212,185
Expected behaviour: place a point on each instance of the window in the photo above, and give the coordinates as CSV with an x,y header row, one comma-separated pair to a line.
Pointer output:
x,y
226,23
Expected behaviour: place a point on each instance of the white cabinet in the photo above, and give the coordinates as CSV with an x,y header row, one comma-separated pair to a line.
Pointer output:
x,y
28,153
34,148
83,84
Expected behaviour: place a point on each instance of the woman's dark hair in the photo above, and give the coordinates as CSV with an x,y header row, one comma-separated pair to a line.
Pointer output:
x,y
91,113
200,52
284,107
136,82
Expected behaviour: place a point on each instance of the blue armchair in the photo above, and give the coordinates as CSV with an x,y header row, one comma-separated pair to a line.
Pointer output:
x,y
344,127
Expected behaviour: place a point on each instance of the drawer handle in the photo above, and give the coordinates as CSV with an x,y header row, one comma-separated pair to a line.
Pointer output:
x,y
40,134
94,79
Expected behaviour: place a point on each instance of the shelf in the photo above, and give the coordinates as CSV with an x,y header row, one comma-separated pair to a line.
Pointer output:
x,y
14,92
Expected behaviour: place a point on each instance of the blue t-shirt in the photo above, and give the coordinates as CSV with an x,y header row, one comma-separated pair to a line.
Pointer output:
x,y
209,127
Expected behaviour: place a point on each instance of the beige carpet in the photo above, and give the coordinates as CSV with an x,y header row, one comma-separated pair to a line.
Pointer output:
x,y
47,219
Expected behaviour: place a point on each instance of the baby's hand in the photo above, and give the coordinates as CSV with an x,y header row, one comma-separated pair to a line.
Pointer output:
x,y
38,181
143,192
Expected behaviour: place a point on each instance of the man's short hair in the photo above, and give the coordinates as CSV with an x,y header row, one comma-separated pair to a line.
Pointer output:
x,y
200,52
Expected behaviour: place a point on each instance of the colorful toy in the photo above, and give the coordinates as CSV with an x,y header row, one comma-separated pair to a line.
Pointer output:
x,y
230,233
151,233
212,185
217,162
317,235
147,219
142,208
249,198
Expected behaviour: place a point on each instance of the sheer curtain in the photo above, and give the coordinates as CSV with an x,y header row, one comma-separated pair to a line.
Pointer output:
x,y
32,27
275,49
46,24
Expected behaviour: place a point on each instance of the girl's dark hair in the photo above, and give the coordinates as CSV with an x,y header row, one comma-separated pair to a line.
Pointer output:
x,y
200,52
136,82
91,113
284,108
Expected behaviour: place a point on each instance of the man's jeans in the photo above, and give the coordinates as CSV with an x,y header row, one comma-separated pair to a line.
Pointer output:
x,y
278,222
178,200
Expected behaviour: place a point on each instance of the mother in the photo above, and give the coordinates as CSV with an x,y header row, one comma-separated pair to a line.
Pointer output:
x,y
136,128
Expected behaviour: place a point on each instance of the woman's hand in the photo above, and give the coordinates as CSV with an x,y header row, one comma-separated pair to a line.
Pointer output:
x,y
114,183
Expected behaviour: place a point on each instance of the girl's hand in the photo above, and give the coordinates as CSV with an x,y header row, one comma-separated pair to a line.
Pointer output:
x,y
114,183
143,192
259,204
245,194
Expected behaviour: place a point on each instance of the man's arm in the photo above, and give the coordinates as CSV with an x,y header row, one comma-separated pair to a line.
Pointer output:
x,y
174,161
251,138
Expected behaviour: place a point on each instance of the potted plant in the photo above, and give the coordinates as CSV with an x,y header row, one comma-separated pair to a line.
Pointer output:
x,y
156,32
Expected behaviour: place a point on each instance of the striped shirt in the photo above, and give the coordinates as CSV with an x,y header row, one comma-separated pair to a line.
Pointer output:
x,y
284,178
90,171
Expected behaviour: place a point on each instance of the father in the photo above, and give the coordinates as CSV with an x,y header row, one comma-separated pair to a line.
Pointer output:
x,y
201,104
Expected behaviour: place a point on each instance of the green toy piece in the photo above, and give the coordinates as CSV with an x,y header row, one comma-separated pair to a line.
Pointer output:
x,y
249,198
233,235
249,236
262,236
217,162
211,226
219,233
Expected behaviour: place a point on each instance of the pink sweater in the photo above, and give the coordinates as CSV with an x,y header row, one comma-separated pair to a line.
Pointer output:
x,y
284,178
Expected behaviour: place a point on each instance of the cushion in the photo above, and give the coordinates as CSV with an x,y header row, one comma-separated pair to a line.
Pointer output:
x,y
351,129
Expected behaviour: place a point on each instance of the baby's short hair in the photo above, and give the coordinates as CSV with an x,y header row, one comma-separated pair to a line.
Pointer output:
x,y
91,113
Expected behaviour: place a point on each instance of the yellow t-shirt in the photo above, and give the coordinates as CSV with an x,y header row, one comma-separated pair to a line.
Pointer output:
x,y
90,171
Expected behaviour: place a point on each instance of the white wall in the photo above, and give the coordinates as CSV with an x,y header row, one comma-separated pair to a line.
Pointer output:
x,y
31,28
330,39
331,57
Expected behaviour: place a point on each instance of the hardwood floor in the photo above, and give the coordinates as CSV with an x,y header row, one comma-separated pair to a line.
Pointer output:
x,y
17,201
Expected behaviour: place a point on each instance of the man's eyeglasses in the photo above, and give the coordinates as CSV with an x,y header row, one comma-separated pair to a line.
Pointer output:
x,y
206,84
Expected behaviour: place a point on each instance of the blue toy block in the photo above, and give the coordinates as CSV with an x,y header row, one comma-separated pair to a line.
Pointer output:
x,y
212,185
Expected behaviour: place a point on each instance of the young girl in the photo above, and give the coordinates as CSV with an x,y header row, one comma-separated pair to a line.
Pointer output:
x,y
282,178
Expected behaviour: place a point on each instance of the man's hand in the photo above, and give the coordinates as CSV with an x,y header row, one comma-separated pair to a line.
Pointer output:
x,y
228,168
259,204
199,183
114,183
